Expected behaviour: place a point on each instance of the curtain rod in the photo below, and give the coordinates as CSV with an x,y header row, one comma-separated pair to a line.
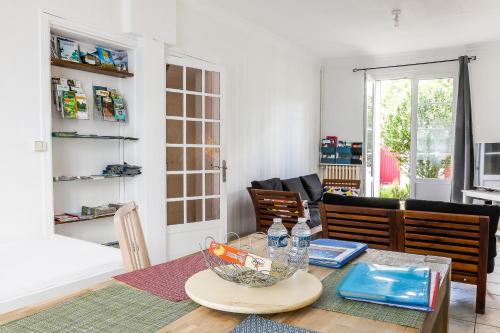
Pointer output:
x,y
413,64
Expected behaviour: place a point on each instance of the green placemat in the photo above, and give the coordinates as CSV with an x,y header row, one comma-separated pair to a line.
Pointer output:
x,y
331,302
116,308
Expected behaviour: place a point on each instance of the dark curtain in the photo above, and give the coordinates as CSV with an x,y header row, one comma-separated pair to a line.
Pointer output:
x,y
463,155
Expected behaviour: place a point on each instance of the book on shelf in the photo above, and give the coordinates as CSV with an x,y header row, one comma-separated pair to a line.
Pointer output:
x,y
400,286
120,58
69,98
106,58
334,253
89,55
81,103
68,49
69,105
109,104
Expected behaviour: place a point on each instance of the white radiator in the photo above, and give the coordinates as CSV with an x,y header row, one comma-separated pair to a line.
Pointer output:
x,y
344,171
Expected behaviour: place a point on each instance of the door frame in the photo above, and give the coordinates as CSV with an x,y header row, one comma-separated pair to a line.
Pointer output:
x,y
434,71
218,226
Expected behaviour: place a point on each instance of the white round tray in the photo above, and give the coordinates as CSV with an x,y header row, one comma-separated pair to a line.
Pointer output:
x,y
207,289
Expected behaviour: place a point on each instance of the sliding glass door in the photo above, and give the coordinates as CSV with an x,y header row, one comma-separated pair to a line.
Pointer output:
x,y
408,135
432,129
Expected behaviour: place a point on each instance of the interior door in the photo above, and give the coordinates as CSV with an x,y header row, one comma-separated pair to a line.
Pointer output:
x,y
368,154
195,156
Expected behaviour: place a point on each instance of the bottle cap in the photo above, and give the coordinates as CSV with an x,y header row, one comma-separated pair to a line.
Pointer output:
x,y
277,219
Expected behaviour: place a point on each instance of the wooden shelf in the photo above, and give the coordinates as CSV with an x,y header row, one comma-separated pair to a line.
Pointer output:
x,y
92,136
90,68
93,177
82,220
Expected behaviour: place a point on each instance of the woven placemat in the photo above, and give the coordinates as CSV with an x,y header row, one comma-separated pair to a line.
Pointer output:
x,y
116,308
330,301
257,324
166,280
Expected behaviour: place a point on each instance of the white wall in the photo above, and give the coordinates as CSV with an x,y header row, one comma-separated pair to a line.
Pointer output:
x,y
22,171
272,101
343,101
272,108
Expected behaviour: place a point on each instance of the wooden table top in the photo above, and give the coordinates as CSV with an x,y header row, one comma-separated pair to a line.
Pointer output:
x,y
206,320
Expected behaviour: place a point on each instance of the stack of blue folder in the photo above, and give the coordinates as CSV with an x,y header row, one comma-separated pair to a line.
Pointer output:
x,y
406,287
334,253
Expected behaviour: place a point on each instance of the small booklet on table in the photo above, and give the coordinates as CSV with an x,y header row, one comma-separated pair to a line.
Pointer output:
x,y
334,253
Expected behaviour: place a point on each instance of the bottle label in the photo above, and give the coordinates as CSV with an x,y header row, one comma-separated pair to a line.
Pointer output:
x,y
277,241
301,241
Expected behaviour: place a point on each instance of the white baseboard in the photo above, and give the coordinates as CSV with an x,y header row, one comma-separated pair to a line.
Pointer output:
x,y
59,290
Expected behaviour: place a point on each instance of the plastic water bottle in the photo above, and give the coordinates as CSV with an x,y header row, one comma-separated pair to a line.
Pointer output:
x,y
301,240
277,239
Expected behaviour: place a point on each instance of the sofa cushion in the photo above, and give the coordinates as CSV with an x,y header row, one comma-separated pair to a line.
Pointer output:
x,y
313,186
336,199
273,184
314,217
295,185
493,212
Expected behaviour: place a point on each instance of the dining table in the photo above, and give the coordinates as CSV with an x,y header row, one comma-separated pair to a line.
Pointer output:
x,y
203,319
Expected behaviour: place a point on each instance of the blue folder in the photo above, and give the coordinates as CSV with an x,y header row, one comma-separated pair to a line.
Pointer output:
x,y
392,285
334,253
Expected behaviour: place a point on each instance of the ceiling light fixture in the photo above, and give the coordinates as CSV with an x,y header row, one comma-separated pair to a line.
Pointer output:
x,y
396,13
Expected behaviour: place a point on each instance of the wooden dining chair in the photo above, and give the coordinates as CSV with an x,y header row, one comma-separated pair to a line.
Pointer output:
x,y
463,238
377,227
130,237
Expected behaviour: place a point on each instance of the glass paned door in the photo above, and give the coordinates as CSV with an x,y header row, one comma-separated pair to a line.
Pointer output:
x,y
369,135
434,129
195,197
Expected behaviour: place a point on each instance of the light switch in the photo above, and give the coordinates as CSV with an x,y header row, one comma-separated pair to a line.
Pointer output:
x,y
40,146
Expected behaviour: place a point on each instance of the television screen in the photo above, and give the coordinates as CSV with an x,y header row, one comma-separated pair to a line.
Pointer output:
x,y
487,165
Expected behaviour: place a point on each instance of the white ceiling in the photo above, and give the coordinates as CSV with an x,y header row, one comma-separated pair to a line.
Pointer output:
x,y
330,28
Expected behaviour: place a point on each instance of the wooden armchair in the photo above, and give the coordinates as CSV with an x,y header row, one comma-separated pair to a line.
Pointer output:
x,y
463,238
270,204
377,227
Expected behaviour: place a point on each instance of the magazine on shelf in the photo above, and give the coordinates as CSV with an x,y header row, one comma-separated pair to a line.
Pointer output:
x,y
106,58
120,58
68,50
400,286
81,105
334,253
69,105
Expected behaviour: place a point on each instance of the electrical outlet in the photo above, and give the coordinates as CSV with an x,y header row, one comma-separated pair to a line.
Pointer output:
x,y
40,146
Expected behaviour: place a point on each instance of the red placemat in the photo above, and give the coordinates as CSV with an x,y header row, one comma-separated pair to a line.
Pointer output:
x,y
166,280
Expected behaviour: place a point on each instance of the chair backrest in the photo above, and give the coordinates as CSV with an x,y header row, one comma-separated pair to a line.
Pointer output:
x,y
349,183
463,238
377,227
270,204
130,237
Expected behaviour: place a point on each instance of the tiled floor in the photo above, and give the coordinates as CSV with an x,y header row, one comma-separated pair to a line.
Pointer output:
x,y
463,318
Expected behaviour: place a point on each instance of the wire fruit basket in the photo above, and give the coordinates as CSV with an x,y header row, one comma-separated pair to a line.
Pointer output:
x,y
281,267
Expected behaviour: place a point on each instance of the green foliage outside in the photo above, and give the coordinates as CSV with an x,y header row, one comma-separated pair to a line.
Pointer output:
x,y
434,123
401,192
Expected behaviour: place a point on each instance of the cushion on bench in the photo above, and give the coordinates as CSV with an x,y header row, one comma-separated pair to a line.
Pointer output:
x,y
273,184
313,186
336,199
493,212
295,185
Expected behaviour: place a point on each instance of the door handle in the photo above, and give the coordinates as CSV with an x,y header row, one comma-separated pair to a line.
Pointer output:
x,y
223,168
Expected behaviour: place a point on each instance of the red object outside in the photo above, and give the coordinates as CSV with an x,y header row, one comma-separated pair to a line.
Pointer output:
x,y
389,167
